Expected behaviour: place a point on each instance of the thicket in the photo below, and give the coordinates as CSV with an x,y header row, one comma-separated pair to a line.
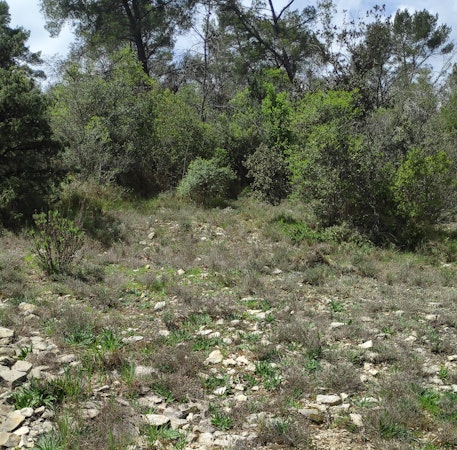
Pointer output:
x,y
365,136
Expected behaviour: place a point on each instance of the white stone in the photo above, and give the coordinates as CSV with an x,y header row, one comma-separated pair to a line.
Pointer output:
x,y
13,421
157,420
6,333
229,362
132,339
220,390
331,400
9,440
26,412
143,371
22,431
22,366
12,377
215,357
242,360
367,344
337,325
206,439
431,317
159,306
356,419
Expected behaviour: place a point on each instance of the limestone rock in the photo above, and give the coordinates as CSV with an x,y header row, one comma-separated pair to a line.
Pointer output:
x,y
157,420
12,377
356,420
13,421
331,400
22,366
6,336
215,357
9,440
367,344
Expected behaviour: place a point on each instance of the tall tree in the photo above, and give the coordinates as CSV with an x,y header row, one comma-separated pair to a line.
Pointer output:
x,y
381,55
27,151
269,36
148,26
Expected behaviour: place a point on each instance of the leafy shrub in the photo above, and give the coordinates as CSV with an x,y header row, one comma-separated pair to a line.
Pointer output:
x,y
56,242
421,189
268,168
207,181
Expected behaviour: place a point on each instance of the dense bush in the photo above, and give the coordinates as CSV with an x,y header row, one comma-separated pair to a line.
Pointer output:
x,y
268,168
207,181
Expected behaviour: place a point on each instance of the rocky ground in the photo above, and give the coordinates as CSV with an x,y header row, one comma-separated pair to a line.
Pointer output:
x,y
223,329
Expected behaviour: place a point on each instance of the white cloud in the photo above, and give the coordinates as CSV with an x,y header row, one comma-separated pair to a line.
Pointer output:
x,y
27,14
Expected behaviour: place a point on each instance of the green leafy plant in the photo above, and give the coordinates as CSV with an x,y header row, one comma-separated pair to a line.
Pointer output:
x,y
32,396
57,241
269,373
50,441
24,351
207,181
165,435
220,419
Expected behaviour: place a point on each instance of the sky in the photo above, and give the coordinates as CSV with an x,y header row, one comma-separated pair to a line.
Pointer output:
x,y
26,13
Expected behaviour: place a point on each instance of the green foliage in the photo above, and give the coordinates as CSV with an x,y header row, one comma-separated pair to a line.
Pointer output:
x,y
119,126
268,168
207,181
373,177
324,163
101,119
38,393
420,188
50,441
56,242
165,435
295,230
107,25
220,419
29,168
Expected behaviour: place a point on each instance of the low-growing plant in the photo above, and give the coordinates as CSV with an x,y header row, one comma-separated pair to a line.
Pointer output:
x,y
220,419
165,435
34,394
285,431
56,242
109,340
269,373
50,441
24,351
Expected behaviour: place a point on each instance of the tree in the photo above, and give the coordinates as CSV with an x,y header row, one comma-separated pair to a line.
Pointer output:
x,y
268,37
381,55
148,26
28,165
118,125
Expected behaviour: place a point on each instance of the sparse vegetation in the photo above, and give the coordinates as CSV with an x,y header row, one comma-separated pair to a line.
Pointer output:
x,y
242,249
349,334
